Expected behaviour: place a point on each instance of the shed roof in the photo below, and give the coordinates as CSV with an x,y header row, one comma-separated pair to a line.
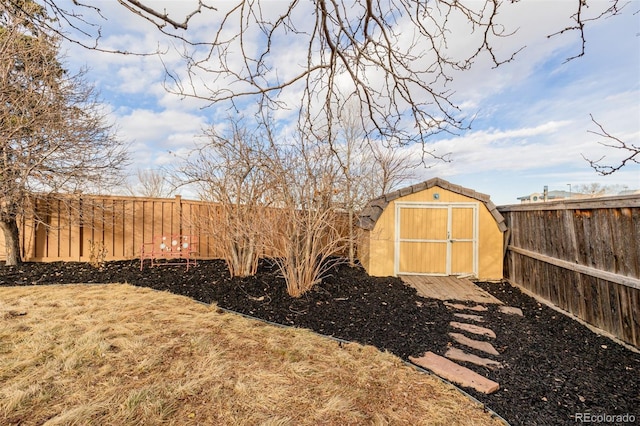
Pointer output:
x,y
373,210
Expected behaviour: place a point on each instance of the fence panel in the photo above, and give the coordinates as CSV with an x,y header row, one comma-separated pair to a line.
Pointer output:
x,y
69,227
583,256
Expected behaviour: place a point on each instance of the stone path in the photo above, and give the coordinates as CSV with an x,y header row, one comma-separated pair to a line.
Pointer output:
x,y
448,369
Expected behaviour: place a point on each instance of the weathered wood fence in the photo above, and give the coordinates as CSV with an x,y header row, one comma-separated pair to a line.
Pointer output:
x,y
581,255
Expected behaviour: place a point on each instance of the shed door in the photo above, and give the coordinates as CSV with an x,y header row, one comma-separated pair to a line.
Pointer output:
x,y
436,239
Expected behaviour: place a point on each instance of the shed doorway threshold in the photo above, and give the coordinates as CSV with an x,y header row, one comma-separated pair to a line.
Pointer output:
x,y
448,288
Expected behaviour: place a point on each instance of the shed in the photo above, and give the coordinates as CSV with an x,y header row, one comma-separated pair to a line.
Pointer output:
x,y
432,228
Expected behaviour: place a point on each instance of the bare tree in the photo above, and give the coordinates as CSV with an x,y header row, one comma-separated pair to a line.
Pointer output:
x,y
630,152
151,183
392,169
345,154
595,189
53,133
367,169
229,170
393,59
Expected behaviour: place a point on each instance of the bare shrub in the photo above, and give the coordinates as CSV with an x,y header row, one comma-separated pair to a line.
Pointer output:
x,y
309,241
228,170
308,231
150,183
97,254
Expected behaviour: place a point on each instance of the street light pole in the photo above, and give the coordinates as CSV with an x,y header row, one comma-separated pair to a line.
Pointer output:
x,y
570,194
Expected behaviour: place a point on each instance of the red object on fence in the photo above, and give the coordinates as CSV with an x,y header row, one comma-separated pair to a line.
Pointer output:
x,y
170,247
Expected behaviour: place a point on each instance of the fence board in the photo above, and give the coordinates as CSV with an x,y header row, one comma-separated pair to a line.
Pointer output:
x,y
634,298
583,256
74,229
41,238
137,225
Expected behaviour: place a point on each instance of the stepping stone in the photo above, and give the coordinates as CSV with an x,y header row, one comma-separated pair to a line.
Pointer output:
x,y
469,317
510,310
455,373
485,347
460,355
459,306
475,329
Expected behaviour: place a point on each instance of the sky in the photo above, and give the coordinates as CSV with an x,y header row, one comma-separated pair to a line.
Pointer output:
x,y
531,116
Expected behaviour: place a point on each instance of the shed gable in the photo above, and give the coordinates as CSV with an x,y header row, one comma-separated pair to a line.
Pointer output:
x,y
374,209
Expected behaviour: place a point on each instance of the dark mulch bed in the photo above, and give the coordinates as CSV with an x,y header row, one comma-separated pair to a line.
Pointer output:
x,y
554,366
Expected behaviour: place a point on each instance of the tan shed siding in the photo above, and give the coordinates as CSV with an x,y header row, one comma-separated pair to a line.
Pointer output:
x,y
490,239
462,218
381,244
490,246
381,249
362,247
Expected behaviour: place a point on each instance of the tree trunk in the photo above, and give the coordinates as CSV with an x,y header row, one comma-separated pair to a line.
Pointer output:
x,y
11,241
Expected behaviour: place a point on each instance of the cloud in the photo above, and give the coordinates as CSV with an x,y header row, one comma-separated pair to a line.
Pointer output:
x,y
486,150
531,115
155,134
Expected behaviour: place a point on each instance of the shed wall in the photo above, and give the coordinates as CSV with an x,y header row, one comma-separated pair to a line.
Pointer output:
x,y
377,254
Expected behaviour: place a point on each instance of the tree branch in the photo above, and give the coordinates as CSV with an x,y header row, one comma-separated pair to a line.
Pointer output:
x,y
631,151
581,21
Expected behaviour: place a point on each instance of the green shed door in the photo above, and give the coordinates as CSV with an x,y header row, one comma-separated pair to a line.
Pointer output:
x,y
436,239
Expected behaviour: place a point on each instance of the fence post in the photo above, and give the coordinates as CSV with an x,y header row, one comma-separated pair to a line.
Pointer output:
x,y
178,201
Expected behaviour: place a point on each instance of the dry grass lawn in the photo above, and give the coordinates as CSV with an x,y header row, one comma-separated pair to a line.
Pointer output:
x,y
121,355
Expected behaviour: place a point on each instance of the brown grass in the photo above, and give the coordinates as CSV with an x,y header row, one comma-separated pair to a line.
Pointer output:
x,y
121,355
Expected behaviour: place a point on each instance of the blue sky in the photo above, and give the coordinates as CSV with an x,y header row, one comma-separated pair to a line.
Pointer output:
x,y
531,116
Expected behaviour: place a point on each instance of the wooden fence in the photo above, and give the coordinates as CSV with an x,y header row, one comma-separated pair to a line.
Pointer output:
x,y
581,255
67,228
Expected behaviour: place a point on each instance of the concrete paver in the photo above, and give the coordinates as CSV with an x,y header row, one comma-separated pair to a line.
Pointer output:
x,y
485,347
477,318
460,306
510,310
475,329
460,355
455,373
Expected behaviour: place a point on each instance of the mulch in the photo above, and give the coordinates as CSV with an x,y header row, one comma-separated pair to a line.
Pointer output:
x,y
554,368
